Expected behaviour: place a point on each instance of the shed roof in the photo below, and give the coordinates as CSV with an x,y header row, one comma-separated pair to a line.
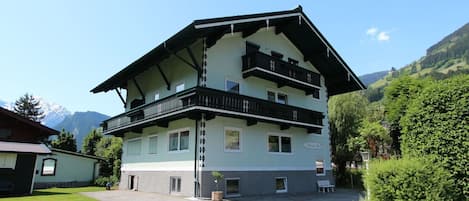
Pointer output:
x,y
18,147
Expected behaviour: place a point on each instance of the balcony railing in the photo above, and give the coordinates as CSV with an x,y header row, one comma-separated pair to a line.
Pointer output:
x,y
219,102
280,71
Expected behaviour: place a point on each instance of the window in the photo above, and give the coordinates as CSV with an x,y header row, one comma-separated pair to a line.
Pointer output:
x,y
232,139
281,185
152,144
8,160
134,147
232,187
279,144
48,166
232,86
316,94
277,97
180,87
175,183
179,141
320,167
293,61
282,98
157,96
251,47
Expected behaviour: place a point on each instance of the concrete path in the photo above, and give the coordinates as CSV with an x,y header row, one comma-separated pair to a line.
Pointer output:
x,y
123,195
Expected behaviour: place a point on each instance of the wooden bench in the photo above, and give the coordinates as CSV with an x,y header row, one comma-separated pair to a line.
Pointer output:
x,y
325,186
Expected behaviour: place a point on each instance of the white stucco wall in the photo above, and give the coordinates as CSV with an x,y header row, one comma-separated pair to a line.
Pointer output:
x,y
224,62
69,168
176,71
254,154
163,159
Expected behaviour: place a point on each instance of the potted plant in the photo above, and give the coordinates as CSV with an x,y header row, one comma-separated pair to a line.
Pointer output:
x,y
218,177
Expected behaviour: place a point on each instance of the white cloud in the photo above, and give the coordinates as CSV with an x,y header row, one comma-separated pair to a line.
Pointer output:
x,y
371,31
376,34
383,36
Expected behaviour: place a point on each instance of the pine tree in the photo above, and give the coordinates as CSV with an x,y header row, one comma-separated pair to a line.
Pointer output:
x,y
65,141
27,106
90,142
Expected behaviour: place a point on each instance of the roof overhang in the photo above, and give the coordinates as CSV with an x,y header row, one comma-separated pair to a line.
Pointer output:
x,y
17,147
294,24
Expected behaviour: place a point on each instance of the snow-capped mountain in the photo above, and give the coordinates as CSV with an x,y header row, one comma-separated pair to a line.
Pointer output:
x,y
58,117
53,112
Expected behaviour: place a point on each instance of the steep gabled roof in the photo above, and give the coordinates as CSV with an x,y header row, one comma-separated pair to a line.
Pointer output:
x,y
42,130
294,24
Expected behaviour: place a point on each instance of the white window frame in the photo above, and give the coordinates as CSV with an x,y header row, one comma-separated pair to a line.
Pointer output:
x,y
127,146
178,131
276,92
232,80
157,139
280,135
170,185
226,187
240,139
285,183
178,84
157,94
323,167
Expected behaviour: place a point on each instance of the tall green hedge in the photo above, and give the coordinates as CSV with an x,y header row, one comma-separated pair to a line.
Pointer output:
x,y
408,179
437,123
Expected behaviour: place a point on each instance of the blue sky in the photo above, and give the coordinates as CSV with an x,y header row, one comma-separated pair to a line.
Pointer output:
x,y
59,50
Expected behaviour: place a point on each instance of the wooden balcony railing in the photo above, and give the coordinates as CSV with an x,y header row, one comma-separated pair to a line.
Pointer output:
x,y
221,103
277,70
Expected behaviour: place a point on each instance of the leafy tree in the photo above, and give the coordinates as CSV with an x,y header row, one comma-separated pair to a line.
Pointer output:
x,y
345,114
110,148
397,97
27,106
437,123
408,179
65,141
90,142
375,136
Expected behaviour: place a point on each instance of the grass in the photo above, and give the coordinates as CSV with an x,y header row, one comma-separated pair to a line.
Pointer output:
x,y
53,194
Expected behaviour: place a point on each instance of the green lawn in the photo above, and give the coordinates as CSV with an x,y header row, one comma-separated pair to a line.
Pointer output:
x,y
65,194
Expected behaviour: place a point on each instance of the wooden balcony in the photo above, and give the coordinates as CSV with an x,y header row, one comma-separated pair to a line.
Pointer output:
x,y
193,102
281,72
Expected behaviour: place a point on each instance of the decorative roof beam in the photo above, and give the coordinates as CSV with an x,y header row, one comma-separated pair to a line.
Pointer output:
x,y
196,64
139,89
168,85
251,30
120,96
182,59
214,37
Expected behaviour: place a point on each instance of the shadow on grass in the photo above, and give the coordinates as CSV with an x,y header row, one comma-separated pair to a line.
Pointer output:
x,y
37,193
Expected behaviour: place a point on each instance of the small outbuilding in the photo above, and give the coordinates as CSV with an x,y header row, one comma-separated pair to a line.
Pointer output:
x,y
20,145
63,168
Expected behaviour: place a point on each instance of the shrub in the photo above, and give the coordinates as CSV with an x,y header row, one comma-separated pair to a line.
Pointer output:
x,y
437,123
409,179
102,181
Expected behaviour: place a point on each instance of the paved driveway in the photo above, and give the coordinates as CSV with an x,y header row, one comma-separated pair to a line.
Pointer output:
x,y
123,195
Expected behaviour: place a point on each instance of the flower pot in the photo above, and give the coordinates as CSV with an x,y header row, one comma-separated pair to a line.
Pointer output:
x,y
217,195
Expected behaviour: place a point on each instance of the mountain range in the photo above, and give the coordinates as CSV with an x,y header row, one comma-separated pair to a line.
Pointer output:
x,y
446,58
58,117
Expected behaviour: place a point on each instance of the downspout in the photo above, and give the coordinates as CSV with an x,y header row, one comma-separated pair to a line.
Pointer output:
x,y
196,178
